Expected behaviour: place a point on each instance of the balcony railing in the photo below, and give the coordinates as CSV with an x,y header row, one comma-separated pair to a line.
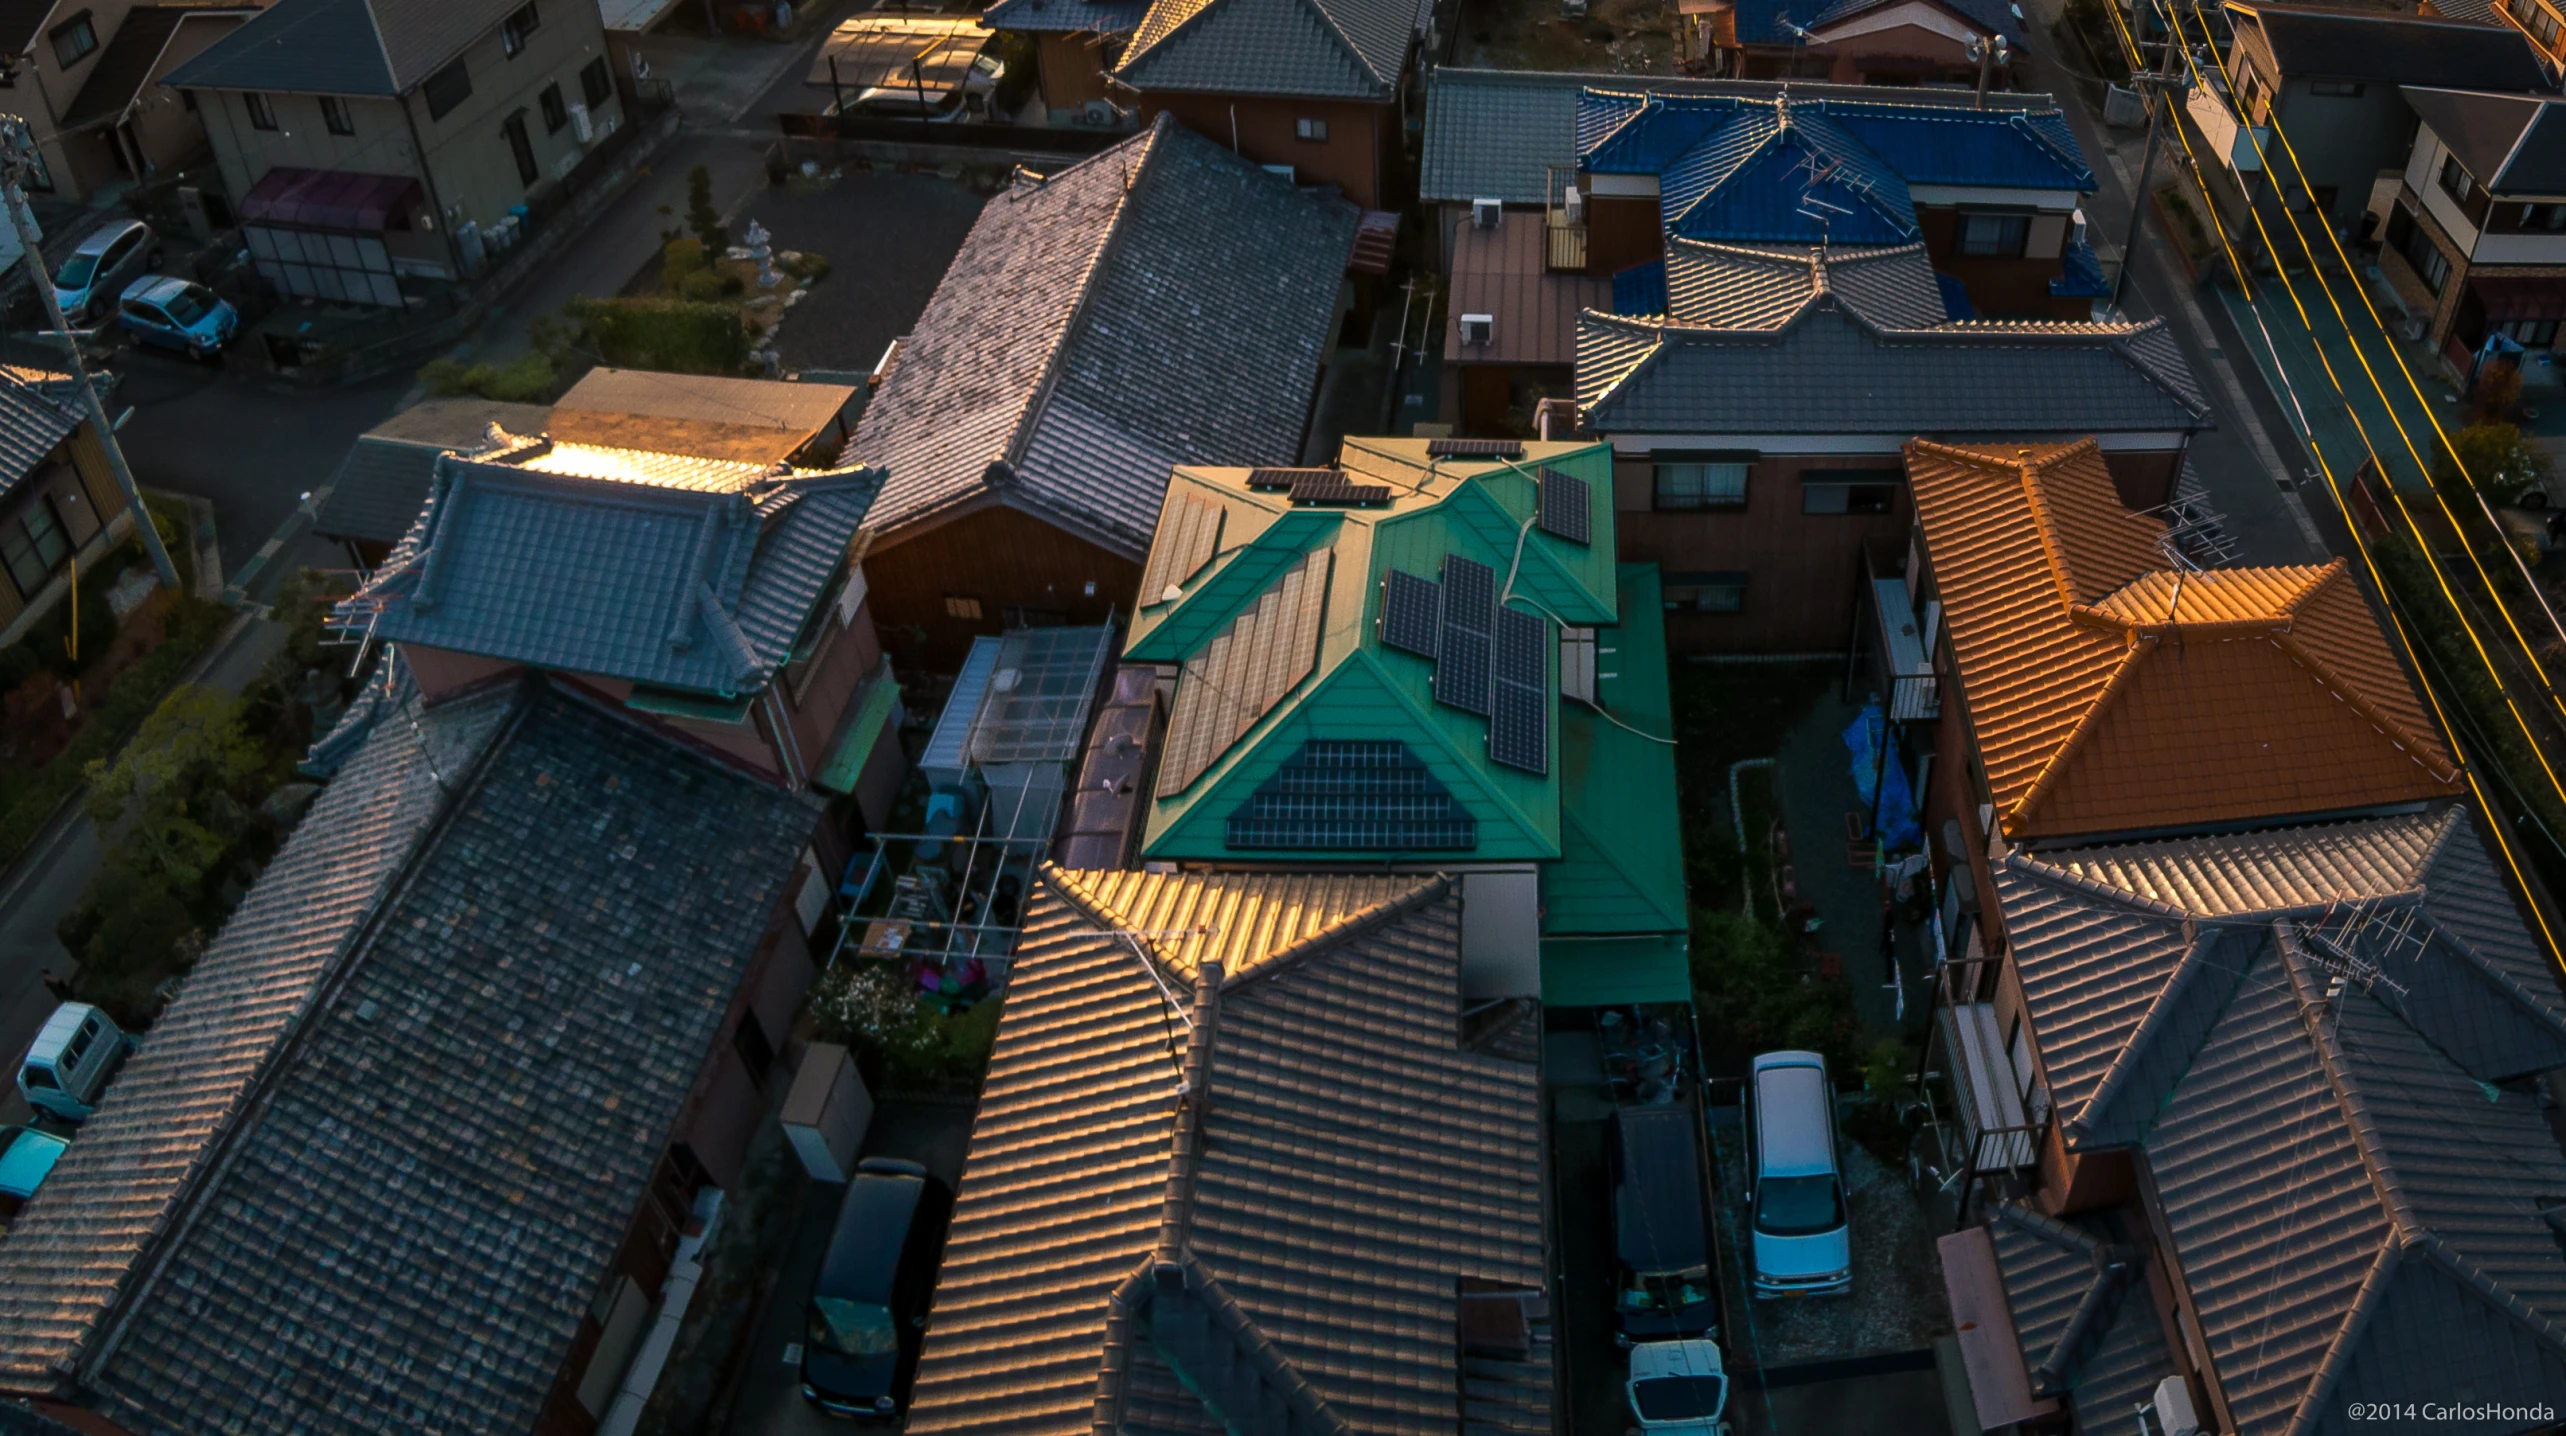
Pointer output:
x,y
1564,223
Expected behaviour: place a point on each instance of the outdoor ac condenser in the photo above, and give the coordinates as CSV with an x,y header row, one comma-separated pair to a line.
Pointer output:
x,y
1487,213
1478,328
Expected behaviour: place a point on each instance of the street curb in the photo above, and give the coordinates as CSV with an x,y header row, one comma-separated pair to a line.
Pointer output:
x,y
305,512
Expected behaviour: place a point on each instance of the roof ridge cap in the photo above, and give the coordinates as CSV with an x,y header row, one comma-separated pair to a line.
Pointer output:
x,y
1020,433
2337,1360
1336,29
2054,771
1133,57
2033,866
2119,343
2361,702
2062,572
1344,930
2336,1072
2201,938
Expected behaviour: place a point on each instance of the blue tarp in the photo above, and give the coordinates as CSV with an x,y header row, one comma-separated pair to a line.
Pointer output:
x,y
1893,807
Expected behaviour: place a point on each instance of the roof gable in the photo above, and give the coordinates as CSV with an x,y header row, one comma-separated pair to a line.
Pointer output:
x,y
1733,286
2105,697
1347,49
1779,177
1160,303
2324,42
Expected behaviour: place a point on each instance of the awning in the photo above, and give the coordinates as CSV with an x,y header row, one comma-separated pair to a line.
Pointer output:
x,y
330,200
2508,298
875,715
1612,971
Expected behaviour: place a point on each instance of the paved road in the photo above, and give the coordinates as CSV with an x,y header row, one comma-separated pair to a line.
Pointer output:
x,y
57,870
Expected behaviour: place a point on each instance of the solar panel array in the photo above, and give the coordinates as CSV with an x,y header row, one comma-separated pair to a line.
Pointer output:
x,y
1330,486
1411,612
1462,647
1566,506
1342,795
1474,448
1519,706
1286,478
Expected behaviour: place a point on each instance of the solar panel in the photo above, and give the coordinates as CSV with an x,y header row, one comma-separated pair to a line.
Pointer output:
x,y
1328,486
1339,795
1519,727
1462,648
1474,448
1286,478
1565,505
1520,638
1411,612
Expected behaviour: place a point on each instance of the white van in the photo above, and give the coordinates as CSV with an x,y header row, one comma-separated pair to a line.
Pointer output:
x,y
71,1060
1802,1246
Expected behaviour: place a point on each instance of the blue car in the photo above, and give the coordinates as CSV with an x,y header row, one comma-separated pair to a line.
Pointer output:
x,y
177,314
26,1159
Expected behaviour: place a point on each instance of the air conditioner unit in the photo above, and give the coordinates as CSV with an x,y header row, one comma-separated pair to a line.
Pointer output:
x,y
1286,171
581,125
1487,213
2174,1414
1574,205
1478,328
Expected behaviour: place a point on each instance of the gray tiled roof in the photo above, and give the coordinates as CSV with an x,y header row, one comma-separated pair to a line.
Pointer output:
x,y
1737,286
1349,1166
1065,17
1163,302
1830,369
79,1243
34,420
2512,144
1494,133
2330,42
2128,954
1336,49
2112,1359
2356,1219
341,47
409,1233
697,589
376,495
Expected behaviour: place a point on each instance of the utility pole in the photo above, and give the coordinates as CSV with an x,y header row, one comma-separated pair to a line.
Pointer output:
x,y
18,159
2159,88
1990,51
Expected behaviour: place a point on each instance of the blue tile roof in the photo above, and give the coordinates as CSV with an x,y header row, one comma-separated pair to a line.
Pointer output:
x,y
1641,289
699,590
2083,276
1740,168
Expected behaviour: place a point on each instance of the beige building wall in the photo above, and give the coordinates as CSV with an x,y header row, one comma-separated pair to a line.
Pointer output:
x,y
43,89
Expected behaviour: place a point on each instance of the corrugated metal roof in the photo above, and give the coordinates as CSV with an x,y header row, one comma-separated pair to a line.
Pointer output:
x,y
1162,302
2268,693
1336,1183
674,572
410,1231
78,1245
1339,49
709,416
1505,273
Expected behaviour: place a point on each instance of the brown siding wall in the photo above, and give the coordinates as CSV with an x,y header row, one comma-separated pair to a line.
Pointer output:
x,y
1802,569
97,480
1073,69
1003,558
441,670
1622,230
2145,480
1998,288
1360,155
854,653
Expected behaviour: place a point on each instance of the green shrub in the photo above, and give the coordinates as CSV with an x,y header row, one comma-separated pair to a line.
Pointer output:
x,y
444,377
703,286
2504,463
701,218
872,1008
1754,993
527,379
672,335
679,261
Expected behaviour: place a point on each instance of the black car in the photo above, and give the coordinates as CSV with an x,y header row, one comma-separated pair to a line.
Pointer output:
x,y
1659,1229
869,1307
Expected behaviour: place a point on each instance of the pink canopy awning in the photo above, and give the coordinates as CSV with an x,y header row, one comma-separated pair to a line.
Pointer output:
x,y
331,200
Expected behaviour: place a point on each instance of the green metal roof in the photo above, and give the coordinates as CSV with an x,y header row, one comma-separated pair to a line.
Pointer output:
x,y
1608,971
1621,866
874,713
1358,688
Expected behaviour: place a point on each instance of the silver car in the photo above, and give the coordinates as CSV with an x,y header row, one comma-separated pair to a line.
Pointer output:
x,y
111,257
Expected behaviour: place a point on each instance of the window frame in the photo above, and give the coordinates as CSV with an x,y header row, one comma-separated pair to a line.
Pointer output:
x,y
2454,180
1309,129
521,147
81,27
1704,500
964,607
262,110
22,547
2338,89
556,111
446,89
335,117
2011,240
1846,482
1705,585
512,35
596,82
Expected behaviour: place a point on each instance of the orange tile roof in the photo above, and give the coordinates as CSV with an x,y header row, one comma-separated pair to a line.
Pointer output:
x,y
2110,693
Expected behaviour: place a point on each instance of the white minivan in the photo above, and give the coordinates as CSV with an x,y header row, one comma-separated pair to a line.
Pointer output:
x,y
68,1066
1802,1246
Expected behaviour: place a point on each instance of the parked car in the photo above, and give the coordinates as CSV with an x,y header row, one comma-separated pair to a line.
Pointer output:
x,y
937,104
869,1307
26,1158
68,1066
1802,1246
103,265
1659,1230
178,314
1679,1388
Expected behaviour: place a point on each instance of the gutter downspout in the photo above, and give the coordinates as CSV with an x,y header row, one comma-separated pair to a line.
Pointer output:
x,y
428,177
684,1275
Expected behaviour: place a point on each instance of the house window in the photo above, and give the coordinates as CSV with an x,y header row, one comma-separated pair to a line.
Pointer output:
x,y
33,546
1312,130
521,145
2456,182
2249,96
73,40
2551,217
962,606
2337,89
594,83
1993,236
2539,21
2408,238
1848,491
756,1051
1705,592
555,113
1709,481
2529,333
514,30
446,89
262,111
334,115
